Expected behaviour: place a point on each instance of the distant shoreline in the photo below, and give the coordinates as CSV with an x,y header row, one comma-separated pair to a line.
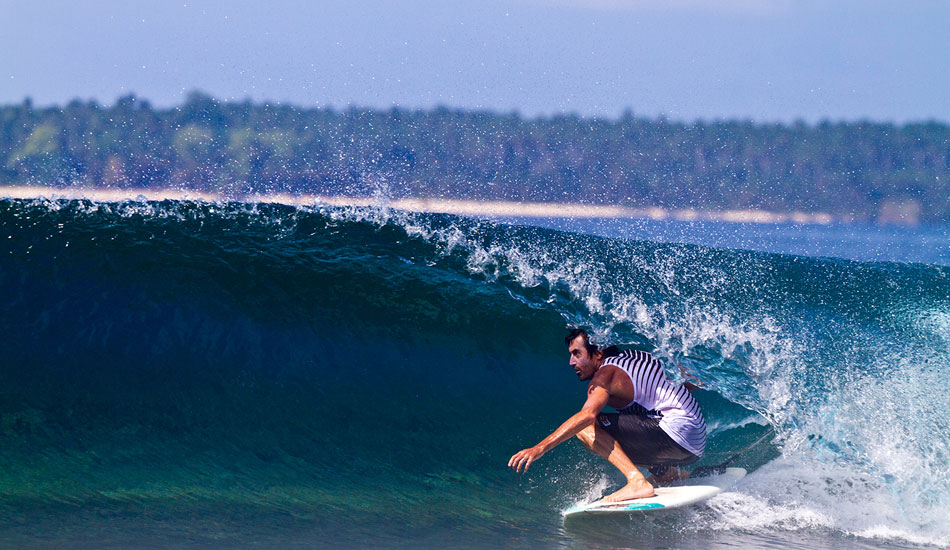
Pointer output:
x,y
499,209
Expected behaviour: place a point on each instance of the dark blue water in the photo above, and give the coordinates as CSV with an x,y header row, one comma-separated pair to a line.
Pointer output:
x,y
220,375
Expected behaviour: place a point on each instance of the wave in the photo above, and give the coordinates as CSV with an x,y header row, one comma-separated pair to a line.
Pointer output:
x,y
373,361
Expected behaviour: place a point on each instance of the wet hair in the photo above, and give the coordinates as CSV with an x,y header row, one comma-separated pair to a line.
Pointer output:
x,y
608,351
575,332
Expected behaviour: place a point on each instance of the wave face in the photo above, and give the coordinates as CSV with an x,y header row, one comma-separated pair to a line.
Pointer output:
x,y
376,367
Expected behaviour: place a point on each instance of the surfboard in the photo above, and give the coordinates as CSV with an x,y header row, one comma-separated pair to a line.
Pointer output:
x,y
681,494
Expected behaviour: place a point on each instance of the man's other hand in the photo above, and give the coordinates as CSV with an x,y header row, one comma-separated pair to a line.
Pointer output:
x,y
522,459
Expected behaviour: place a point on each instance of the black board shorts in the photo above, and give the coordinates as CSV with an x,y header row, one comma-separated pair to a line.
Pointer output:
x,y
644,441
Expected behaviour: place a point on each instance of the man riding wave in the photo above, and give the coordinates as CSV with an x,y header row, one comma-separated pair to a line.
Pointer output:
x,y
658,425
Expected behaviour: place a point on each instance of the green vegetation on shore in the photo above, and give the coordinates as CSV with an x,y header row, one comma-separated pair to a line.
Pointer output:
x,y
868,171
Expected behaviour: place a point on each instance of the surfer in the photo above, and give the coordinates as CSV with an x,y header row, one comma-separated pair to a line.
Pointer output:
x,y
658,425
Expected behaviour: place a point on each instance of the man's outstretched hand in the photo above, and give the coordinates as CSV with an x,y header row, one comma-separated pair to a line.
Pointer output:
x,y
522,459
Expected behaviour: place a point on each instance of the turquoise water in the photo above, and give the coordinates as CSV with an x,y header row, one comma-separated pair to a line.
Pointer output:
x,y
221,375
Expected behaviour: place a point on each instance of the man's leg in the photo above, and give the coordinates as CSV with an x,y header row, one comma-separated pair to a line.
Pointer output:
x,y
599,441
667,475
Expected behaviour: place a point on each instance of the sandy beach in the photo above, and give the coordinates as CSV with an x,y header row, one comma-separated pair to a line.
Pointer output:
x,y
506,209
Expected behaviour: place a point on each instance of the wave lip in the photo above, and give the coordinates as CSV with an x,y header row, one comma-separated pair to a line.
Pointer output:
x,y
460,207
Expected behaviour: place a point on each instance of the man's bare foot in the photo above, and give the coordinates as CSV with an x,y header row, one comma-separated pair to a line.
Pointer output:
x,y
633,489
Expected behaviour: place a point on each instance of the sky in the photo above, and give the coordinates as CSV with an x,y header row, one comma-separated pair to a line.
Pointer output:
x,y
766,61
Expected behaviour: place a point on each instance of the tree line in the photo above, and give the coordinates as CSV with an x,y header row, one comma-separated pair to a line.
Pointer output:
x,y
854,169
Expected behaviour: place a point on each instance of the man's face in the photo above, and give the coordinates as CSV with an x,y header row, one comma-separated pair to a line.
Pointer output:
x,y
583,364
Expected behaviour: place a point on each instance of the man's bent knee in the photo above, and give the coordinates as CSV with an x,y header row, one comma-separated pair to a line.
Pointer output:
x,y
587,436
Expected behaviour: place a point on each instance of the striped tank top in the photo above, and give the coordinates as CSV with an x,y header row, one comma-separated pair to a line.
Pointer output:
x,y
655,394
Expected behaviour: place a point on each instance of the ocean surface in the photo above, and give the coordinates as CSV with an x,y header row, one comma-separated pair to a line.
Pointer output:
x,y
220,375
929,244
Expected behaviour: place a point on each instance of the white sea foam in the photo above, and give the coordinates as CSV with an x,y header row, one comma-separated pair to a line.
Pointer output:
x,y
799,492
593,492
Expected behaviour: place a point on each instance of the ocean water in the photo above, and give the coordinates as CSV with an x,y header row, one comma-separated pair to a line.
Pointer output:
x,y
929,244
202,375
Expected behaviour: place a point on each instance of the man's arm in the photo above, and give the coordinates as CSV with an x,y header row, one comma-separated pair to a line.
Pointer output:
x,y
596,400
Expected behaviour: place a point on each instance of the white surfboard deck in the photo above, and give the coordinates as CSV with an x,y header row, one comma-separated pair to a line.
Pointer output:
x,y
682,494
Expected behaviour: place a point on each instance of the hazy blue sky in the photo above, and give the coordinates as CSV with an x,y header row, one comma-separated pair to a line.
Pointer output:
x,y
687,59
